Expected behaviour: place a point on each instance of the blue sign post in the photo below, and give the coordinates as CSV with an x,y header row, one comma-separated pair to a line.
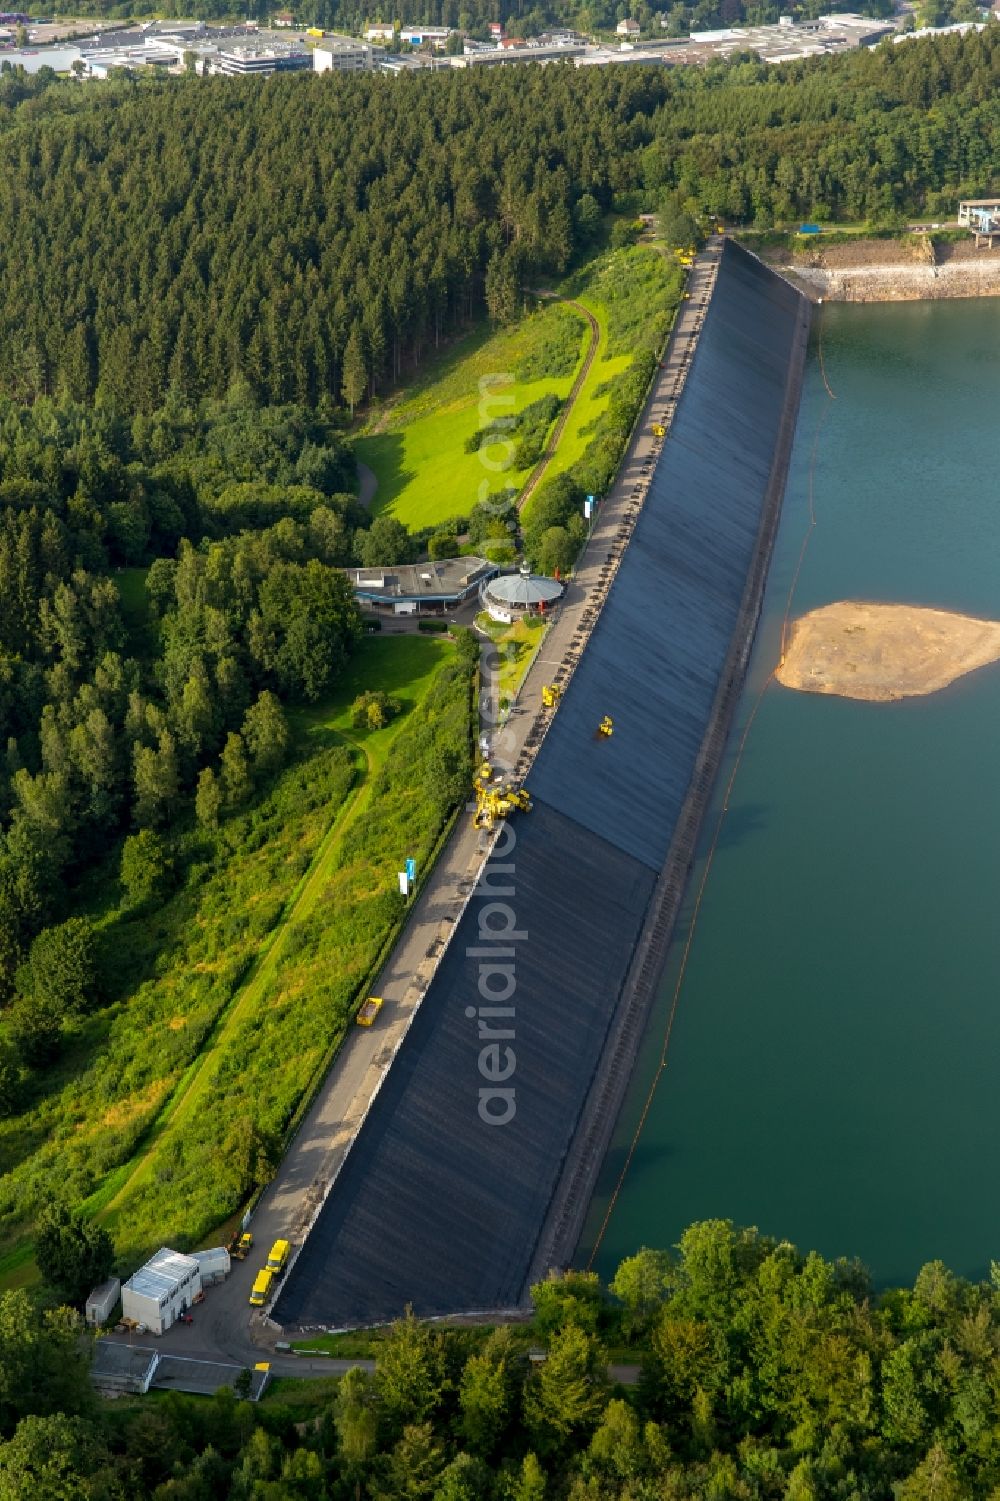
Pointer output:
x,y
411,870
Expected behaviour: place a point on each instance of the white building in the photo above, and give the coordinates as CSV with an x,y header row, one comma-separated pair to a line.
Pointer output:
x,y
380,33
417,35
161,1290
261,59
213,1264
103,1301
341,54
628,28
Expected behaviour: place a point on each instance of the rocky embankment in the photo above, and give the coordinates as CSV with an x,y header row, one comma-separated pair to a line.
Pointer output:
x,y
905,270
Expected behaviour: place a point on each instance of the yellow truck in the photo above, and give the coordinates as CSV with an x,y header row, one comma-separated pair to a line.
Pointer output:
x,y
277,1257
261,1290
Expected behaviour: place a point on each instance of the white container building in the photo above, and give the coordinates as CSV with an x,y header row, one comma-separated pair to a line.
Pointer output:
x,y
102,1301
213,1264
161,1290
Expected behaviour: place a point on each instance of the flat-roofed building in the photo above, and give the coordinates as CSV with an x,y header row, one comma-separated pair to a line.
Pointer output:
x,y
341,54
420,588
496,56
160,1291
417,35
117,1369
262,58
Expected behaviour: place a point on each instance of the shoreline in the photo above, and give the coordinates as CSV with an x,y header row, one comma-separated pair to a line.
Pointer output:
x,y
882,271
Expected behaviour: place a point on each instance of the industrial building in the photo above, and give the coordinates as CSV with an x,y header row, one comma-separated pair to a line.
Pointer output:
x,y
528,53
214,1265
118,1370
341,54
160,1291
420,588
417,35
982,217
258,59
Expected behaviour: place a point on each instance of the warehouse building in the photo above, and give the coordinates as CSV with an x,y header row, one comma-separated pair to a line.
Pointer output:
x,y
159,1292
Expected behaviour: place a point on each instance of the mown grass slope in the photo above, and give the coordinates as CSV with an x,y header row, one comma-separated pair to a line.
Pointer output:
x,y
417,446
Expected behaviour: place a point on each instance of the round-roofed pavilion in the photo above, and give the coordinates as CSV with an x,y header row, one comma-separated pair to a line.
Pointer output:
x,y
511,595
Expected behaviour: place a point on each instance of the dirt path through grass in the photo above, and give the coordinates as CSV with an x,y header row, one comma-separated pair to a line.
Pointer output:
x,y
552,447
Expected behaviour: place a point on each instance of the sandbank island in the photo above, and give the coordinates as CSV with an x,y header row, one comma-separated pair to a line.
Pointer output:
x,y
884,652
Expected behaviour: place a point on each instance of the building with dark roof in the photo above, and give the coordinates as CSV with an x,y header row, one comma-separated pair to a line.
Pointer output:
x,y
118,1368
420,588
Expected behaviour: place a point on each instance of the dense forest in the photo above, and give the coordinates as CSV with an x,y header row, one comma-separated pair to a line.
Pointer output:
x,y
765,1374
186,234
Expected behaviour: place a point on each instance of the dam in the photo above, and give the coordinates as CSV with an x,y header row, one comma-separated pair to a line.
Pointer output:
x,y
467,1178
831,1072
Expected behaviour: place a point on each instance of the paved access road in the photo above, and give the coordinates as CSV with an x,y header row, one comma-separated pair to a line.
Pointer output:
x,y
226,1327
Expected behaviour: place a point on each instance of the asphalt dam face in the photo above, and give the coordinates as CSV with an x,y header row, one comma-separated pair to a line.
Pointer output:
x,y
441,1201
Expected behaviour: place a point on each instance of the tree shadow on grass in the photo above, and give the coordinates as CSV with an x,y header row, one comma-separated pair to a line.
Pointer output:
x,y
383,453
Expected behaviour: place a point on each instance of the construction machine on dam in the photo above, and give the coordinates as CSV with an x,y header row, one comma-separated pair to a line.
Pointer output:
x,y
496,799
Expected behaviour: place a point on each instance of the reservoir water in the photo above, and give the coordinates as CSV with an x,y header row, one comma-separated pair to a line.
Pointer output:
x,y
834,1058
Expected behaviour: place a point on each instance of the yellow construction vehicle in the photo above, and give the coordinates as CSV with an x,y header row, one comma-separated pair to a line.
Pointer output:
x,y
658,430
551,694
240,1246
606,727
369,1011
494,804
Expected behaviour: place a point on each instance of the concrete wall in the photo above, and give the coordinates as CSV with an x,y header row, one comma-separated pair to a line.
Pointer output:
x,y
471,1147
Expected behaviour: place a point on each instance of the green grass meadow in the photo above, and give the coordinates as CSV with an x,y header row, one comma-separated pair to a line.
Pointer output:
x,y
418,451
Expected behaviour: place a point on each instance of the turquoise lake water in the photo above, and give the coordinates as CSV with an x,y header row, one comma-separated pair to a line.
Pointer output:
x,y
834,1064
